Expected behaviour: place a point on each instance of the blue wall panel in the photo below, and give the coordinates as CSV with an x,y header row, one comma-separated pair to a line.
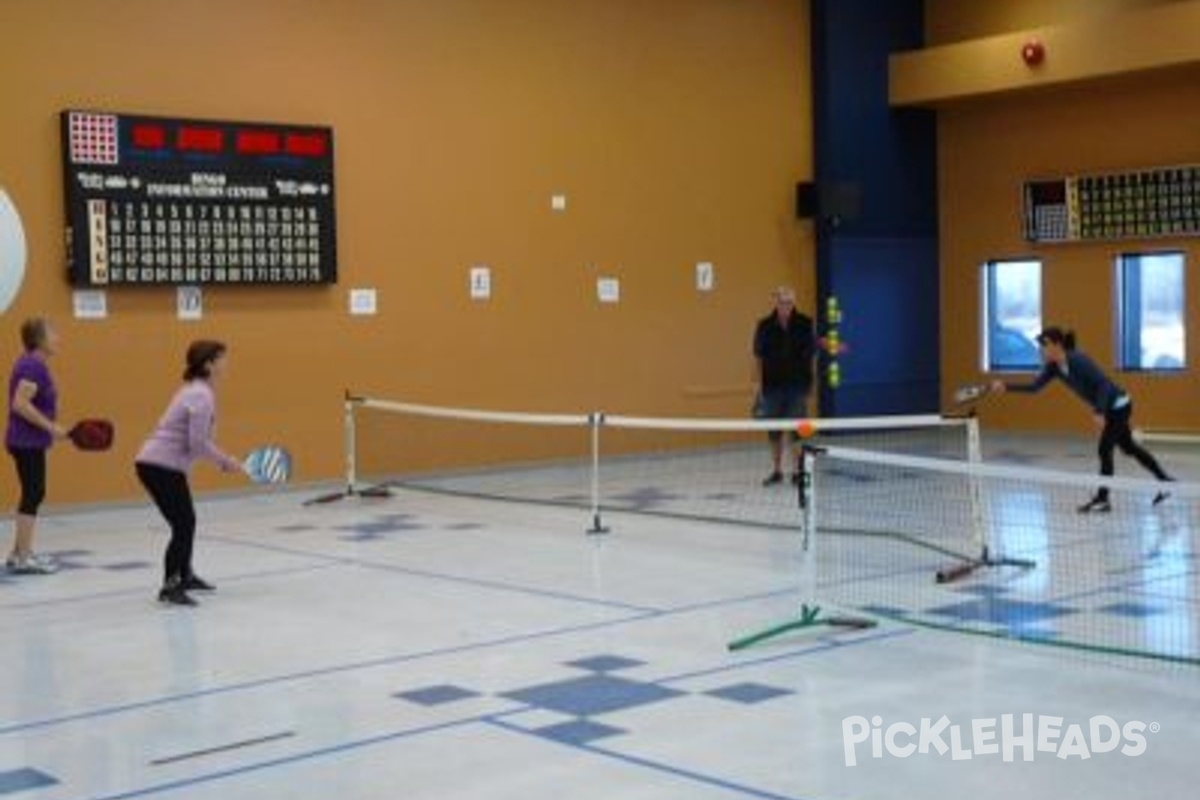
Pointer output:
x,y
876,226
884,289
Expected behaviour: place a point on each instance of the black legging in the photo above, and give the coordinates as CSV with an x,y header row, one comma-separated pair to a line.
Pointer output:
x,y
31,472
170,491
1117,433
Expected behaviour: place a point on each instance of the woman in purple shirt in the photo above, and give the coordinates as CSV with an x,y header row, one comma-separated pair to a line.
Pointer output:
x,y
32,409
184,434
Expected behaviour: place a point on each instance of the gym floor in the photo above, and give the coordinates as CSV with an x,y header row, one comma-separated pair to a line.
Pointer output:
x,y
428,646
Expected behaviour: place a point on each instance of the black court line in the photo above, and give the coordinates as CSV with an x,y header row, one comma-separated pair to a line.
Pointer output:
x,y
223,748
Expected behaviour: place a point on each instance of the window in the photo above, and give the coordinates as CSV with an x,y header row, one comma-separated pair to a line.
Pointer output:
x,y
1150,313
1012,315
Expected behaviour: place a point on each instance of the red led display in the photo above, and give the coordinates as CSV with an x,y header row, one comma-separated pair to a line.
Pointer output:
x,y
204,140
306,144
258,143
149,137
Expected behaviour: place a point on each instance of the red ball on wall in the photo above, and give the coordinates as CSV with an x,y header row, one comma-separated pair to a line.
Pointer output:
x,y
1033,53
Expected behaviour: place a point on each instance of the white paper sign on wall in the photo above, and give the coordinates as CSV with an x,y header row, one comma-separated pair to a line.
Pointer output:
x,y
608,290
363,302
189,302
90,303
481,282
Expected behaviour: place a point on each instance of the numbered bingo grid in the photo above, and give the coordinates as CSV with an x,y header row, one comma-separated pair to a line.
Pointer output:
x,y
172,201
1141,204
146,241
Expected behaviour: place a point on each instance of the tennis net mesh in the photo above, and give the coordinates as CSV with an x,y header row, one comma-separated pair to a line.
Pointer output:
x,y
1120,581
911,524
703,469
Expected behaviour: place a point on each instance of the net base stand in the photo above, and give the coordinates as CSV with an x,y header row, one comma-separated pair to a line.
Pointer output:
x,y
598,526
369,492
810,617
985,561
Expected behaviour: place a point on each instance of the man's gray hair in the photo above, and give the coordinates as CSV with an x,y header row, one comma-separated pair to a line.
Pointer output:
x,y
784,293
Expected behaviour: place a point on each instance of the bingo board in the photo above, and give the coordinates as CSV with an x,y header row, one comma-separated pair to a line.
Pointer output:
x,y
1139,204
163,201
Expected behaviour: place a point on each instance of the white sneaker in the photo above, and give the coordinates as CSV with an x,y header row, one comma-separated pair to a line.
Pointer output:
x,y
31,564
13,558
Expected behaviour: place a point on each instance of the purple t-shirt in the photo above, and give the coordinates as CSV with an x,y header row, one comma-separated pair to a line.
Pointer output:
x,y
185,431
22,433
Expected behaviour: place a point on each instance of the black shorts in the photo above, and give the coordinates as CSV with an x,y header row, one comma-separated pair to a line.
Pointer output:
x,y
781,403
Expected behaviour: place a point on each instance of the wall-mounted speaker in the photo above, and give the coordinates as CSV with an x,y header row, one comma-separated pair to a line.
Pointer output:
x,y
806,200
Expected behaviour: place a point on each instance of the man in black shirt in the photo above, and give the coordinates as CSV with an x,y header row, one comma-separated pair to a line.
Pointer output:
x,y
784,347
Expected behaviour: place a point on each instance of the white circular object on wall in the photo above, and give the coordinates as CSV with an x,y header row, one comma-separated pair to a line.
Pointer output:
x,y
12,252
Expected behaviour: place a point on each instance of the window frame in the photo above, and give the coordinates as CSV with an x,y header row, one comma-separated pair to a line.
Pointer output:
x,y
1127,306
987,322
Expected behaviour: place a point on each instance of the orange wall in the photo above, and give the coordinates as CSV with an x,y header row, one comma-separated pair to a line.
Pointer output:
x,y
987,148
1157,36
676,128
958,20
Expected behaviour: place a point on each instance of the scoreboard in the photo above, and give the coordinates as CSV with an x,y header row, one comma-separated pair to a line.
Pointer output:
x,y
1141,204
163,201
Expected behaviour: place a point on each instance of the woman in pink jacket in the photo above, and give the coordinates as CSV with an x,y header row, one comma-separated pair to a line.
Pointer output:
x,y
184,434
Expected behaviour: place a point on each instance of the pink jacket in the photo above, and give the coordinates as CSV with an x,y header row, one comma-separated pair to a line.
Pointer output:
x,y
185,432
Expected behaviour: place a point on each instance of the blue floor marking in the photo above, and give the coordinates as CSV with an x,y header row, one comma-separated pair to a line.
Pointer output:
x,y
577,731
21,780
678,772
316,673
1135,610
591,695
1001,611
492,720
748,693
437,695
605,663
